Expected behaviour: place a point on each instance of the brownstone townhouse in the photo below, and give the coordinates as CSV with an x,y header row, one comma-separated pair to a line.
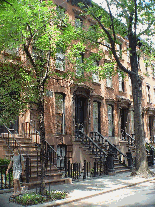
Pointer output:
x,y
95,108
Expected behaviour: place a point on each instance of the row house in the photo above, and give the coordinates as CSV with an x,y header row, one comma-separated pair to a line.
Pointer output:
x,y
104,106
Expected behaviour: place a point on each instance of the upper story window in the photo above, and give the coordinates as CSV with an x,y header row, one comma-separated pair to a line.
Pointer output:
x,y
78,22
107,45
95,74
79,68
128,55
148,94
121,82
60,60
110,120
60,113
109,81
154,94
130,86
138,61
60,15
153,70
119,50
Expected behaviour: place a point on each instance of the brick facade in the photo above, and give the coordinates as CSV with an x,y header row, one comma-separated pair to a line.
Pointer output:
x,y
113,107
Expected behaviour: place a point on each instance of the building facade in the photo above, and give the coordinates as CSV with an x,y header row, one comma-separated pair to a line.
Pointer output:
x,y
104,106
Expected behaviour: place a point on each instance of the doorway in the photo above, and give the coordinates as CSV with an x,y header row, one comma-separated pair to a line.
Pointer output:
x,y
151,119
80,114
124,116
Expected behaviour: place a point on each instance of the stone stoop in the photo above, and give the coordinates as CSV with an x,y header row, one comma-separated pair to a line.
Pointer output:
x,y
53,176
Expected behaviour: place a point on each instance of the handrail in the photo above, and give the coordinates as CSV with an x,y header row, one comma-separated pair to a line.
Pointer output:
x,y
134,140
106,140
94,143
15,140
27,160
150,145
44,140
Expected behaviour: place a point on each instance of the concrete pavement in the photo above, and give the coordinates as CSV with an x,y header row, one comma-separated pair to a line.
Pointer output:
x,y
87,189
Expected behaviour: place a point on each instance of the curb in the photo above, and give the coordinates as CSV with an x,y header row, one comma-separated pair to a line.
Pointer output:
x,y
6,191
62,202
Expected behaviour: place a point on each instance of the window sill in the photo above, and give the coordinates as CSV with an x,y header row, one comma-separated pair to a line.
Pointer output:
x,y
111,88
96,83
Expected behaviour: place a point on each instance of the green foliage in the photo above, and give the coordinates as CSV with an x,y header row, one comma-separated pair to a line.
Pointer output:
x,y
6,162
33,198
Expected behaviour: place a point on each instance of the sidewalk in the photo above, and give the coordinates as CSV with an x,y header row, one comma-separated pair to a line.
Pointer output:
x,y
85,189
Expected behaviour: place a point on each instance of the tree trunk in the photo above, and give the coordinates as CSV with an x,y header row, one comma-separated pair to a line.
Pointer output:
x,y
42,138
141,162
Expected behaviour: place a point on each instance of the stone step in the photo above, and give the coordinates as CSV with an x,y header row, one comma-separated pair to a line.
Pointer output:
x,y
34,184
123,170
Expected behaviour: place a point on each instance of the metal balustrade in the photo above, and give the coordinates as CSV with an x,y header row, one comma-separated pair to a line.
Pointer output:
x,y
5,180
50,154
11,143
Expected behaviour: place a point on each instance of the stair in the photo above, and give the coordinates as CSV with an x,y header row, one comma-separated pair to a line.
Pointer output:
x,y
119,167
52,175
101,151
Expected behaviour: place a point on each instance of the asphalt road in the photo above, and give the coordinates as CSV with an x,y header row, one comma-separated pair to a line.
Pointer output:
x,y
140,195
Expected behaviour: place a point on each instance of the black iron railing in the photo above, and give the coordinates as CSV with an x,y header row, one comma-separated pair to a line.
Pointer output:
x,y
149,148
6,181
50,154
76,171
106,144
11,143
93,147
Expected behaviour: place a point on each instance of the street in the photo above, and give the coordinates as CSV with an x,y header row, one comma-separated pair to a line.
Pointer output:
x,y
139,195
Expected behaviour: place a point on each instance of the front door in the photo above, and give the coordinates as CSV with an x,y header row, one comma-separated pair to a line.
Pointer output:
x,y
124,115
151,119
80,114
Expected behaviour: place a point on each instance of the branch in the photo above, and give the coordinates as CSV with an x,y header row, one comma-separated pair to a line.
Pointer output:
x,y
112,48
29,40
47,69
8,2
29,56
111,17
148,27
135,24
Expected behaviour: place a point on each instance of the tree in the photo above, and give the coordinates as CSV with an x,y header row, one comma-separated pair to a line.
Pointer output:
x,y
134,21
33,29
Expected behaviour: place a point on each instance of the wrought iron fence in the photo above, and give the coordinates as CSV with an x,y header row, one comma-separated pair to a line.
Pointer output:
x,y
6,181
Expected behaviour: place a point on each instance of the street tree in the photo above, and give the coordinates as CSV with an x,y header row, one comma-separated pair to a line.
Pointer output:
x,y
134,21
34,31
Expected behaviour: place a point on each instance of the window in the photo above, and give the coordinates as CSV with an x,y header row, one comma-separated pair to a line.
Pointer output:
x,y
121,82
78,22
60,16
128,55
96,116
108,45
79,69
95,74
138,61
153,70
119,50
109,81
60,60
110,121
148,94
60,113
130,86
154,94
146,67
132,122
